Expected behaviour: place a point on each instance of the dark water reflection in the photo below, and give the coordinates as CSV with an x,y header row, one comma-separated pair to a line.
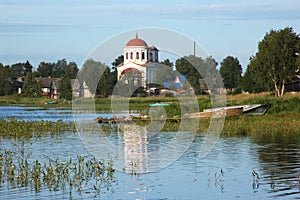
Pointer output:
x,y
279,160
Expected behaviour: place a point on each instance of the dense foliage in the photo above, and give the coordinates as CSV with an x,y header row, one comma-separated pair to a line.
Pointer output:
x,y
275,63
231,72
31,87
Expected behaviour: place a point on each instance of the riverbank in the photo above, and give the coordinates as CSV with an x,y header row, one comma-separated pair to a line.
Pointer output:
x,y
282,117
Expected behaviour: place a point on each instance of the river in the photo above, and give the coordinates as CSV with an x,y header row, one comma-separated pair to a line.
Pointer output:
x,y
227,172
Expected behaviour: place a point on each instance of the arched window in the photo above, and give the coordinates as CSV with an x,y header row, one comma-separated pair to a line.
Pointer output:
x,y
131,55
150,57
137,55
126,56
143,55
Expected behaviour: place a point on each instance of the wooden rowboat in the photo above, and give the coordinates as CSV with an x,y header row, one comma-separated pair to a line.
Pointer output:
x,y
251,109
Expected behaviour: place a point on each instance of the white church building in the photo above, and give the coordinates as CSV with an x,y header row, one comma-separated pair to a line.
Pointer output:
x,y
139,58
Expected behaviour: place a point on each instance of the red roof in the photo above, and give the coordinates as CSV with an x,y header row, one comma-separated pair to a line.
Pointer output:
x,y
137,42
153,48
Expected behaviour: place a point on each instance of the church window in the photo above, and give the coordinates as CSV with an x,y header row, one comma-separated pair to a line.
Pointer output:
x,y
131,55
143,55
137,55
150,57
126,56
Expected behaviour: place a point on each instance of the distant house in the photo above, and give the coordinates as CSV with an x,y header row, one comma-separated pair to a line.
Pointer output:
x,y
211,87
177,84
17,84
85,92
81,89
49,86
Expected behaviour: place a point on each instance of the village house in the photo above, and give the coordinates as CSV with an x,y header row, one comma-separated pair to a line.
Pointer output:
x,y
50,87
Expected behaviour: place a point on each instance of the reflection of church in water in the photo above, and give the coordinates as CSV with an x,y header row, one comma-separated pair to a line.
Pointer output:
x,y
139,59
135,151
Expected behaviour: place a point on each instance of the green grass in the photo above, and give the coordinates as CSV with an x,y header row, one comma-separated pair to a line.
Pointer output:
x,y
282,117
33,101
269,124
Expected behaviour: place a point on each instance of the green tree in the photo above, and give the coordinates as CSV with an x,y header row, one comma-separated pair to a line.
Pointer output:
x,y
31,87
70,70
119,60
91,72
164,73
231,72
17,70
106,83
195,68
65,88
27,68
254,79
188,66
5,84
168,63
45,69
58,68
276,57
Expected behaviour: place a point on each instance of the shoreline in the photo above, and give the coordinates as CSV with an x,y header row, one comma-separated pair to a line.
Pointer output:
x,y
282,117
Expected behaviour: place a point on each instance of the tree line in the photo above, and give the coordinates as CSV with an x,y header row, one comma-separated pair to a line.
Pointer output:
x,y
12,75
276,63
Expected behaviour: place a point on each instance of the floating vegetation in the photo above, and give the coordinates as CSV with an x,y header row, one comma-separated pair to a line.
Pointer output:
x,y
26,129
18,170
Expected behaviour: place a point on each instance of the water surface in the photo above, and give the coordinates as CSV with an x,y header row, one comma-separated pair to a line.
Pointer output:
x,y
276,160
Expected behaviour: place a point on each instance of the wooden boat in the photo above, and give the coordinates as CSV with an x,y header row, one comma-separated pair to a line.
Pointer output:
x,y
255,109
252,109
230,111
217,113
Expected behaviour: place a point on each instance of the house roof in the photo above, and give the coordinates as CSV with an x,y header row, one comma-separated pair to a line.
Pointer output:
x,y
46,82
75,84
153,48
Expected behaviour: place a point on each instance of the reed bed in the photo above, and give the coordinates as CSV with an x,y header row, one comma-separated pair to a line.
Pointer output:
x,y
27,129
76,174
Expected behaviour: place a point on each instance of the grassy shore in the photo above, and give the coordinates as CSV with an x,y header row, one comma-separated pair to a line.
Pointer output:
x,y
282,117
33,101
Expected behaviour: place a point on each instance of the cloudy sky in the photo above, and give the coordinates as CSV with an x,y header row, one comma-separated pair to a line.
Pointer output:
x,y
38,31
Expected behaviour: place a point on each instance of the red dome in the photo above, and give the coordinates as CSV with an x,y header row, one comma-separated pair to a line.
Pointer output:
x,y
136,42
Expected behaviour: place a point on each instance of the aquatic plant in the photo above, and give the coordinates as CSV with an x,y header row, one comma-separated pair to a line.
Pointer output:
x,y
26,129
73,175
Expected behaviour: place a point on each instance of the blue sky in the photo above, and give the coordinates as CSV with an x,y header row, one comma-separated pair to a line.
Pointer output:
x,y
38,31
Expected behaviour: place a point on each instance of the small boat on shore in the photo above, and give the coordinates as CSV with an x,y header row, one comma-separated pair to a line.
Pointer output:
x,y
230,111
51,102
217,113
251,109
158,104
